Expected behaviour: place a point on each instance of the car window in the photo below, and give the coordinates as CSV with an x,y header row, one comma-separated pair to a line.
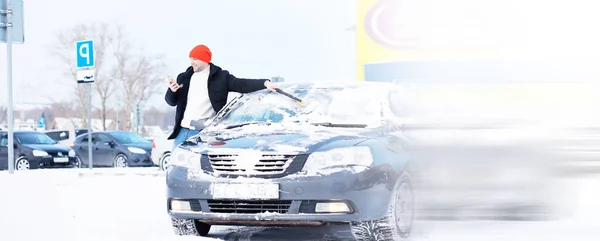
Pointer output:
x,y
332,104
58,135
4,139
34,138
84,140
353,105
80,131
101,139
128,138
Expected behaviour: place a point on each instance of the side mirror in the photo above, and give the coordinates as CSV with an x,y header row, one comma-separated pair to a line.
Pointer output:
x,y
15,145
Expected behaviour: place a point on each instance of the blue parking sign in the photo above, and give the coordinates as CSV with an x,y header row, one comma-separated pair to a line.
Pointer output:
x,y
85,54
41,123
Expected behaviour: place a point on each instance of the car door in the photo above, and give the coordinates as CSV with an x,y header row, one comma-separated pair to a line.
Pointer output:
x,y
3,150
81,148
104,151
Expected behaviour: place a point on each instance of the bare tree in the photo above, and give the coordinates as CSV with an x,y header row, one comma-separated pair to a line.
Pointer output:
x,y
63,109
138,74
153,116
103,35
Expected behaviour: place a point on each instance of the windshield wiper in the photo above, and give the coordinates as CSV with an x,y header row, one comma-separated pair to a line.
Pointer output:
x,y
246,123
329,124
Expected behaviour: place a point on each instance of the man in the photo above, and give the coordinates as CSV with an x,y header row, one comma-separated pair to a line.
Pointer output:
x,y
201,91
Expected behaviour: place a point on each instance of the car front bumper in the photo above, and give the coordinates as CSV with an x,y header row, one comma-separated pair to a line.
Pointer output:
x,y
49,162
367,192
140,160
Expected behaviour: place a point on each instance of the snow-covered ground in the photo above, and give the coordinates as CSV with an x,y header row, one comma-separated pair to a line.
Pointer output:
x,y
109,204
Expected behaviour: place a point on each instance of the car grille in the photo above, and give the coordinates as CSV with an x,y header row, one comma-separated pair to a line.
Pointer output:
x,y
248,207
55,153
267,164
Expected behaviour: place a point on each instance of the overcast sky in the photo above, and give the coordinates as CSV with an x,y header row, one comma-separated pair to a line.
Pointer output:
x,y
302,40
296,39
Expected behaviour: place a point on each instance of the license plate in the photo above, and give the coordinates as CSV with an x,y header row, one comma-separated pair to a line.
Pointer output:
x,y
245,191
61,159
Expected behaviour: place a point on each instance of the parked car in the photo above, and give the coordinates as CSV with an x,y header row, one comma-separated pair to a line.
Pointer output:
x,y
114,149
35,150
161,151
266,159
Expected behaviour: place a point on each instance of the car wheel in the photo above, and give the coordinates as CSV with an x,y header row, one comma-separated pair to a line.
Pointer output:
x,y
120,161
165,160
77,163
183,227
397,224
22,164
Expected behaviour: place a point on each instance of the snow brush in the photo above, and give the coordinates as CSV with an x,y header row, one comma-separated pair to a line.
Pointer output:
x,y
280,91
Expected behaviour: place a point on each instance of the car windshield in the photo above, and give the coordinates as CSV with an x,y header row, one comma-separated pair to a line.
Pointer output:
x,y
334,105
128,138
34,138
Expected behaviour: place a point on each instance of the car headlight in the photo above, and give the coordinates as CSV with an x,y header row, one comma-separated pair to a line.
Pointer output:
x,y
39,153
185,158
71,153
136,150
347,156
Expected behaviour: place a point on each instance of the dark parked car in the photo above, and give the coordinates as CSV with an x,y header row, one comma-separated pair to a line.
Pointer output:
x,y
35,150
114,149
267,159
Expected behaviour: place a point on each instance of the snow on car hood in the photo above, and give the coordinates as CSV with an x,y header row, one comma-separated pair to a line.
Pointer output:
x,y
281,138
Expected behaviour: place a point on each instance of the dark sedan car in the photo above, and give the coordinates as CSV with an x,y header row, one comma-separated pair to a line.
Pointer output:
x,y
114,149
33,150
265,159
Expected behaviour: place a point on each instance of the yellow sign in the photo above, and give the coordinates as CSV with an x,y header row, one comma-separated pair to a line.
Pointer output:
x,y
400,30
379,39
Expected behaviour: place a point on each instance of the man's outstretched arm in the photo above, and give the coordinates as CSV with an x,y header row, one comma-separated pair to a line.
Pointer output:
x,y
244,86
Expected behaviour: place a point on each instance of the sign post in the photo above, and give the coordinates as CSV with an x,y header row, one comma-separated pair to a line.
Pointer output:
x,y
86,75
11,30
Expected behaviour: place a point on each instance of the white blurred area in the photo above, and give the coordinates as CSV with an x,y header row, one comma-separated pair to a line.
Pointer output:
x,y
511,29
502,145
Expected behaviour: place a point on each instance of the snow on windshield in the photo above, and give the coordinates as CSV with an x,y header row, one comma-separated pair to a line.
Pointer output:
x,y
351,105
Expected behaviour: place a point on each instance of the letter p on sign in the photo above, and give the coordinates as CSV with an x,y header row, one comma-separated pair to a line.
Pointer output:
x,y
85,54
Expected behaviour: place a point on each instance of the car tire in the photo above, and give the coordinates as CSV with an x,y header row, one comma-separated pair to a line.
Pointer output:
x,y
120,161
22,164
78,163
164,161
187,227
388,228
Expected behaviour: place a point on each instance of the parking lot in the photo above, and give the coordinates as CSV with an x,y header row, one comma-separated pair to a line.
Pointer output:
x,y
129,204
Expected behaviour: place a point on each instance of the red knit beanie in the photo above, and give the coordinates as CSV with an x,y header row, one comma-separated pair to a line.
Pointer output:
x,y
201,52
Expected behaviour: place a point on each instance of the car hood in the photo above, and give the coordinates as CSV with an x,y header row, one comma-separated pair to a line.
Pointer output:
x,y
281,139
49,147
